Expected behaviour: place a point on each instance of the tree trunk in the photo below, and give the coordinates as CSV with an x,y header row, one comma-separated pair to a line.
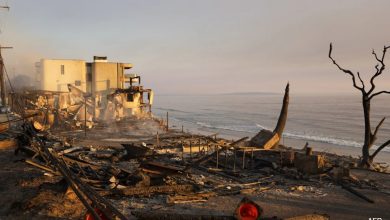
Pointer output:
x,y
367,95
283,113
366,160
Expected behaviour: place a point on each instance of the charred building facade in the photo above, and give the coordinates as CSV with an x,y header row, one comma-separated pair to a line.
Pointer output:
x,y
76,91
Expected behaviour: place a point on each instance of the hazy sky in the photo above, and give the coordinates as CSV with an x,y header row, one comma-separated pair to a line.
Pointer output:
x,y
205,46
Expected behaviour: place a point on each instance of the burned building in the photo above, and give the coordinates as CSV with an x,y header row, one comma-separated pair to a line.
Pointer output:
x,y
97,77
76,91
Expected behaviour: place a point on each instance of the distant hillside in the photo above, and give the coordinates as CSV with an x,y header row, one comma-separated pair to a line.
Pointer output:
x,y
250,93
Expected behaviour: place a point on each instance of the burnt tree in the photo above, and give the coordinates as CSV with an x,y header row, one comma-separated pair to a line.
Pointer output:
x,y
367,95
267,139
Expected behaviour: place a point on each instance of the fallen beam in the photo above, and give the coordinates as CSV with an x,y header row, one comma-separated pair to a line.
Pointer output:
x,y
358,194
219,174
8,143
165,215
134,191
309,217
83,191
197,197
165,166
43,167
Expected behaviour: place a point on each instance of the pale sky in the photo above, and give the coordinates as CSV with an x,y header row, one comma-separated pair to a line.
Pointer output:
x,y
205,46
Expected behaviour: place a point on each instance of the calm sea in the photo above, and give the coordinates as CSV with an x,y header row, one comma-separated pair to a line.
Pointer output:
x,y
319,120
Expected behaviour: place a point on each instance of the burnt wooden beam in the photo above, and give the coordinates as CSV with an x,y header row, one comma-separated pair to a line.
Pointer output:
x,y
41,166
165,215
358,194
196,197
137,191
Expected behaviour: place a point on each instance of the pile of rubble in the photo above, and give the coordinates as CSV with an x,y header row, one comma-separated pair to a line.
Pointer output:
x,y
77,109
142,160
183,167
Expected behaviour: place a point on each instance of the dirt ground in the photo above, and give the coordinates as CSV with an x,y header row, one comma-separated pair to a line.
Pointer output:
x,y
26,193
283,202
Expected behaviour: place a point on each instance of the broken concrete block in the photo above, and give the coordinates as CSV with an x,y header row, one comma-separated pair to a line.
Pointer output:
x,y
309,164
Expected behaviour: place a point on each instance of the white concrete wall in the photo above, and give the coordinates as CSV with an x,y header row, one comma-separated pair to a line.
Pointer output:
x,y
52,78
104,77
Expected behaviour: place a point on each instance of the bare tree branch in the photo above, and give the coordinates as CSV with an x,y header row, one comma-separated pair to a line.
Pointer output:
x,y
376,56
360,78
380,148
376,73
373,136
378,70
378,93
344,70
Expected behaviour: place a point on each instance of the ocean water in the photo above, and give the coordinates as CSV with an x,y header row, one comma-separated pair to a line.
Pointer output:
x,y
335,120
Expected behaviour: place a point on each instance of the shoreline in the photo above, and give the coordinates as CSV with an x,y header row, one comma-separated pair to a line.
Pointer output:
x,y
355,152
382,157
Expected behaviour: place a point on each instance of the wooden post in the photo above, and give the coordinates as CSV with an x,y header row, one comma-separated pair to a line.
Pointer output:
x,y
226,156
243,159
217,155
85,116
309,151
190,149
158,140
199,147
2,78
2,81
182,150
8,119
234,164
252,162
217,149
167,122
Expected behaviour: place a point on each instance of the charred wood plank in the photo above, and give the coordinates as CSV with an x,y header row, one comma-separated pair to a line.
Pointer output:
x,y
41,166
197,197
137,191
72,159
83,191
238,141
161,215
356,193
165,166
104,205
220,174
